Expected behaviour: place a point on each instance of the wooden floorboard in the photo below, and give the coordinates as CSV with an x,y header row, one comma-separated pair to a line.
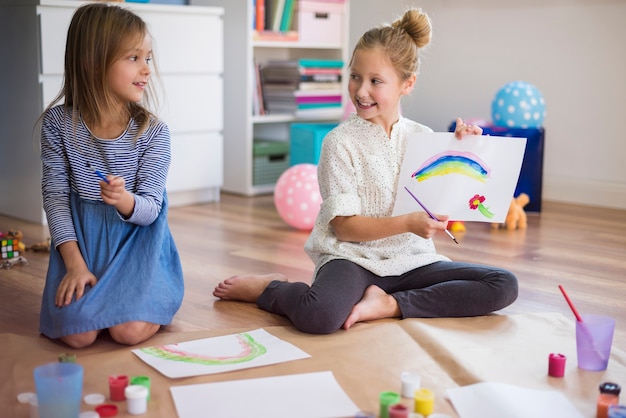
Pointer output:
x,y
583,248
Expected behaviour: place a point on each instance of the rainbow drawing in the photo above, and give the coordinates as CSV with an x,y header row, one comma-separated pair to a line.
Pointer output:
x,y
453,162
251,350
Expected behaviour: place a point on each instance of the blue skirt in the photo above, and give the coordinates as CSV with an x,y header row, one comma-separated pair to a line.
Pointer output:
x,y
138,268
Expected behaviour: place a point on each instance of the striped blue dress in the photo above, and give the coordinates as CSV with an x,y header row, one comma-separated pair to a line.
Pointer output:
x,y
135,259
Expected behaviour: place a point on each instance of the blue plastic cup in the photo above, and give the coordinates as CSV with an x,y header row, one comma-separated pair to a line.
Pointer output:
x,y
59,388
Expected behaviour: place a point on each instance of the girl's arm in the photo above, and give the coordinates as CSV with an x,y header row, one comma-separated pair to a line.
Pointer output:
x,y
359,228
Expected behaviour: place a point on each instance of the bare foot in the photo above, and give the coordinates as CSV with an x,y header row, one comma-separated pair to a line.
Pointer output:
x,y
375,304
247,287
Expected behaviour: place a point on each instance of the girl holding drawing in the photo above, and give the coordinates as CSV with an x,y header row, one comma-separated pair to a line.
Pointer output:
x,y
368,264
113,262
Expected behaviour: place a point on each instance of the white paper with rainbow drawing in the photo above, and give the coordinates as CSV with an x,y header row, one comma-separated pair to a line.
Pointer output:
x,y
219,354
472,179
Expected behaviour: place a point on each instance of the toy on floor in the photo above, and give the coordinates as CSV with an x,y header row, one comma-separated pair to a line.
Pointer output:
x,y
11,245
456,226
40,246
11,249
516,217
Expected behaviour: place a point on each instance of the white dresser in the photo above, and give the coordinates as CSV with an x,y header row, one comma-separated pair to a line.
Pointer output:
x,y
189,51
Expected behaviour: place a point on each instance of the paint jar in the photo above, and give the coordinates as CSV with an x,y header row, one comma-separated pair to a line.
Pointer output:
x,y
424,401
141,380
386,400
399,411
609,395
117,383
556,365
136,399
410,383
67,358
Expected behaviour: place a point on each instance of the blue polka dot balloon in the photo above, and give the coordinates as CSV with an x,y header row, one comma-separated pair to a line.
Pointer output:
x,y
518,104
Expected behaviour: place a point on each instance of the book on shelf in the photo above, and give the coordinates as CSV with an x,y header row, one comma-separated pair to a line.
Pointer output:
x,y
258,103
319,85
277,14
273,16
287,17
320,77
320,63
335,112
259,15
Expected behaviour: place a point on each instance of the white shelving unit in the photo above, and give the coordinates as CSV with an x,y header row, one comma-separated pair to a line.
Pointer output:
x,y
188,44
241,51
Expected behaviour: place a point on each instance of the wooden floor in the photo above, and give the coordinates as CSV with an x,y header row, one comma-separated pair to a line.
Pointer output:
x,y
582,248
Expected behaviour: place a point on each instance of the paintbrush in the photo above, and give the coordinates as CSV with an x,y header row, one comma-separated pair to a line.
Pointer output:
x,y
429,213
98,172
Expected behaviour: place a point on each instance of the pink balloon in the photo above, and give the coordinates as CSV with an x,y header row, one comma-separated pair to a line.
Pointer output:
x,y
297,196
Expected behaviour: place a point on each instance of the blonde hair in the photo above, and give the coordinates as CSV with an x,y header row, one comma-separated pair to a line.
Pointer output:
x,y
400,40
98,35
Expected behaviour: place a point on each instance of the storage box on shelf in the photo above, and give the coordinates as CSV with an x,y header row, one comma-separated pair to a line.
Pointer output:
x,y
320,21
306,142
271,158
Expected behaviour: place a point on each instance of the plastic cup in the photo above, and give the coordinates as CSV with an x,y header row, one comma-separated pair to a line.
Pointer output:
x,y
59,388
594,337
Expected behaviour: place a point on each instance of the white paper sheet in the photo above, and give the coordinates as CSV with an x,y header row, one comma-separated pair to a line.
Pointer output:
x,y
472,179
309,395
499,400
219,354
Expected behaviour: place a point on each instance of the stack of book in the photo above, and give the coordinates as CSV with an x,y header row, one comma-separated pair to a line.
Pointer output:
x,y
307,88
279,81
320,89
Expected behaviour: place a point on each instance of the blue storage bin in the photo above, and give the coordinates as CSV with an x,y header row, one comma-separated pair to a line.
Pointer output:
x,y
531,174
305,142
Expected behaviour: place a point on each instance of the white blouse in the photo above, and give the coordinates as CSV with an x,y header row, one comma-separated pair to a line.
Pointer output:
x,y
358,175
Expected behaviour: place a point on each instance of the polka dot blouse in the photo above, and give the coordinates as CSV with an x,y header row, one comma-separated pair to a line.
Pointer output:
x,y
358,175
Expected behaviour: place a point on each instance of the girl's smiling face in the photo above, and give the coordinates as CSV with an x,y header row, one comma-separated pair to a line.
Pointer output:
x,y
129,75
375,87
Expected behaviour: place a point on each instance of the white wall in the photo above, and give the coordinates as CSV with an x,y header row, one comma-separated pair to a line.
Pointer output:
x,y
572,50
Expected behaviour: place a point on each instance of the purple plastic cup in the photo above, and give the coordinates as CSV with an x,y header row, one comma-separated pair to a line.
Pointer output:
x,y
594,337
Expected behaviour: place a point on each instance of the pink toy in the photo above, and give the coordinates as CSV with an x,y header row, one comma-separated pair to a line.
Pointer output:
x,y
297,196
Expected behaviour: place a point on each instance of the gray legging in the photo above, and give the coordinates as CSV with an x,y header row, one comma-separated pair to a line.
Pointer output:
x,y
441,289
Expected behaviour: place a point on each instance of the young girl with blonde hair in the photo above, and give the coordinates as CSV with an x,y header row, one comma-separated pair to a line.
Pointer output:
x,y
369,264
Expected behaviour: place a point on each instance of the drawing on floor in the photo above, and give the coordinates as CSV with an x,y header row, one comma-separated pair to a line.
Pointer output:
x,y
219,354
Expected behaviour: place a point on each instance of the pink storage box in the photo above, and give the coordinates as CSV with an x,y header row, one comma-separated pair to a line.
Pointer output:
x,y
320,21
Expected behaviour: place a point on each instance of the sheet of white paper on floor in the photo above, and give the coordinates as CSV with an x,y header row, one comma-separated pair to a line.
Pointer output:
x,y
308,395
497,400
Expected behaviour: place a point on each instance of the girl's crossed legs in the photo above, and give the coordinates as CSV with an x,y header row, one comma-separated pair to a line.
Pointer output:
x,y
344,293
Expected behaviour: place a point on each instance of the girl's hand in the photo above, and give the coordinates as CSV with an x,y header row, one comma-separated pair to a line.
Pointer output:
x,y
114,193
462,129
420,223
72,284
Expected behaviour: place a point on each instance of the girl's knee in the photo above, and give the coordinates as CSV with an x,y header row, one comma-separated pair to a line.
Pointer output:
x,y
134,332
509,289
81,340
321,322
